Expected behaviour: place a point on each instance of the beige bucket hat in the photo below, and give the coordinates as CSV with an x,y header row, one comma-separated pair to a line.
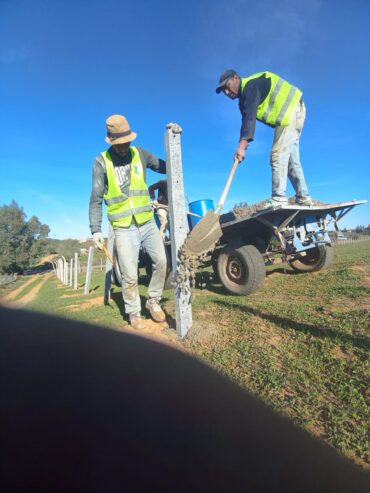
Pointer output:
x,y
118,130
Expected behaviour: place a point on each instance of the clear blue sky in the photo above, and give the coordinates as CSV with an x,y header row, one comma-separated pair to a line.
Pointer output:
x,y
66,66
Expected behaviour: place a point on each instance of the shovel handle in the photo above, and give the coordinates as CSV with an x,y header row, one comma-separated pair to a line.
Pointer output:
x,y
227,186
108,255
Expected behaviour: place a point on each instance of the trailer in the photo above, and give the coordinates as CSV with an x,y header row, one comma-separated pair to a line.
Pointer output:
x,y
292,233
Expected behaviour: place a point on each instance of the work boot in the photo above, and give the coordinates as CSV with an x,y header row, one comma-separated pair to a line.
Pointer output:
x,y
304,201
275,202
136,321
155,310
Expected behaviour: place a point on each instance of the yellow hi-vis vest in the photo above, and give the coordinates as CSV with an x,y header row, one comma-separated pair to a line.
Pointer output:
x,y
280,103
121,207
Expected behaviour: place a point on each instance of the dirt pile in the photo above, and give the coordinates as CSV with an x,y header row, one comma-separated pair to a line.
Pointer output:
x,y
244,210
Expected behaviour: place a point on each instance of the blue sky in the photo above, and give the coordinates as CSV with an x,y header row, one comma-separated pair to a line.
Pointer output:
x,y
66,66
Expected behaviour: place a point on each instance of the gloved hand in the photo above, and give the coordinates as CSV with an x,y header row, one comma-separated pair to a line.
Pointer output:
x,y
98,240
155,203
175,127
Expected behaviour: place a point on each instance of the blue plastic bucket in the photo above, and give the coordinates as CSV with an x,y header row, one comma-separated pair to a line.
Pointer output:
x,y
199,207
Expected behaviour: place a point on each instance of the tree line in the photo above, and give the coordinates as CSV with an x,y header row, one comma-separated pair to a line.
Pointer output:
x,y
24,242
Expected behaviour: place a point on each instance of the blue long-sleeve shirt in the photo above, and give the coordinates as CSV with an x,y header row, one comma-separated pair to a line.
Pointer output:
x,y
254,93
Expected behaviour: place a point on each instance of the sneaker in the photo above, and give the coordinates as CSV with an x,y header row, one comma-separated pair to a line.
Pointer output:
x,y
136,321
155,310
275,202
304,201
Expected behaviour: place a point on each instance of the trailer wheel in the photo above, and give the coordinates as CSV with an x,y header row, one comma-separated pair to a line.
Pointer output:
x,y
241,270
314,259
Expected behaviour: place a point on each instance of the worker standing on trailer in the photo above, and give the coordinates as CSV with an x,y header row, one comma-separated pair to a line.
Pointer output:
x,y
272,100
119,178
160,203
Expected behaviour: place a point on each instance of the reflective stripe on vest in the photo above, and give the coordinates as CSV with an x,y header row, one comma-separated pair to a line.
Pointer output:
x,y
121,207
280,103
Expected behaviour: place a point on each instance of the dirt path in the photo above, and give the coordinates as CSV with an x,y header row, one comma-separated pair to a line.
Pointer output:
x,y
8,300
13,294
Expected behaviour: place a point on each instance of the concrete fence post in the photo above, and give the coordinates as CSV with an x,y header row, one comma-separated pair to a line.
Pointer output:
x,y
66,273
60,277
89,266
75,283
179,226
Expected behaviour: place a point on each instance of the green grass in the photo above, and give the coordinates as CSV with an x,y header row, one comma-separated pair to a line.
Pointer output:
x,y
301,343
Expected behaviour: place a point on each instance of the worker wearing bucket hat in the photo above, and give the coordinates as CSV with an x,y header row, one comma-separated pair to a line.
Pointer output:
x,y
272,100
119,178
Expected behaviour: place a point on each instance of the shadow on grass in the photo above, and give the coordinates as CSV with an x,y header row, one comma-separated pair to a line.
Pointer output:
x,y
286,323
213,283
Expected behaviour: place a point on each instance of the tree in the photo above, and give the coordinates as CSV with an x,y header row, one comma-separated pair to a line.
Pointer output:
x,y
22,242
65,248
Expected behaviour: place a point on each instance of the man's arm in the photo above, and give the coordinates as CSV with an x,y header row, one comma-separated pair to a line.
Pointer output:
x,y
151,161
152,189
96,197
248,105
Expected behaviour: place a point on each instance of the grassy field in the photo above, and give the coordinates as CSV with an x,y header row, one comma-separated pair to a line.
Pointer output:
x,y
301,343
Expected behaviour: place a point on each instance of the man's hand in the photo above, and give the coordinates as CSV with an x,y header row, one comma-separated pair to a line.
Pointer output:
x,y
155,203
241,150
98,240
175,127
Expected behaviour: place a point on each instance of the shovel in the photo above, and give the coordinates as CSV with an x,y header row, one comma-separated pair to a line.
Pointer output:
x,y
107,254
208,231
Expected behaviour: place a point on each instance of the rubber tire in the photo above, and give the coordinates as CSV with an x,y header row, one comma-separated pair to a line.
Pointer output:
x,y
316,259
248,266
214,263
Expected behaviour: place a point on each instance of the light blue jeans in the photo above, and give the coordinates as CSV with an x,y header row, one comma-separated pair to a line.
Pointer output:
x,y
128,243
285,160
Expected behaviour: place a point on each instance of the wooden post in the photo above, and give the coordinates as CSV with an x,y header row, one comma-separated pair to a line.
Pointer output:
x,y
89,266
179,226
109,267
75,281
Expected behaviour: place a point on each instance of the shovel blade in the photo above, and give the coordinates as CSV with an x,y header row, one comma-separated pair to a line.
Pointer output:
x,y
204,235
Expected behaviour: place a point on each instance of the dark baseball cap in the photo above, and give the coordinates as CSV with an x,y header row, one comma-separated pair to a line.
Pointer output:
x,y
225,76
